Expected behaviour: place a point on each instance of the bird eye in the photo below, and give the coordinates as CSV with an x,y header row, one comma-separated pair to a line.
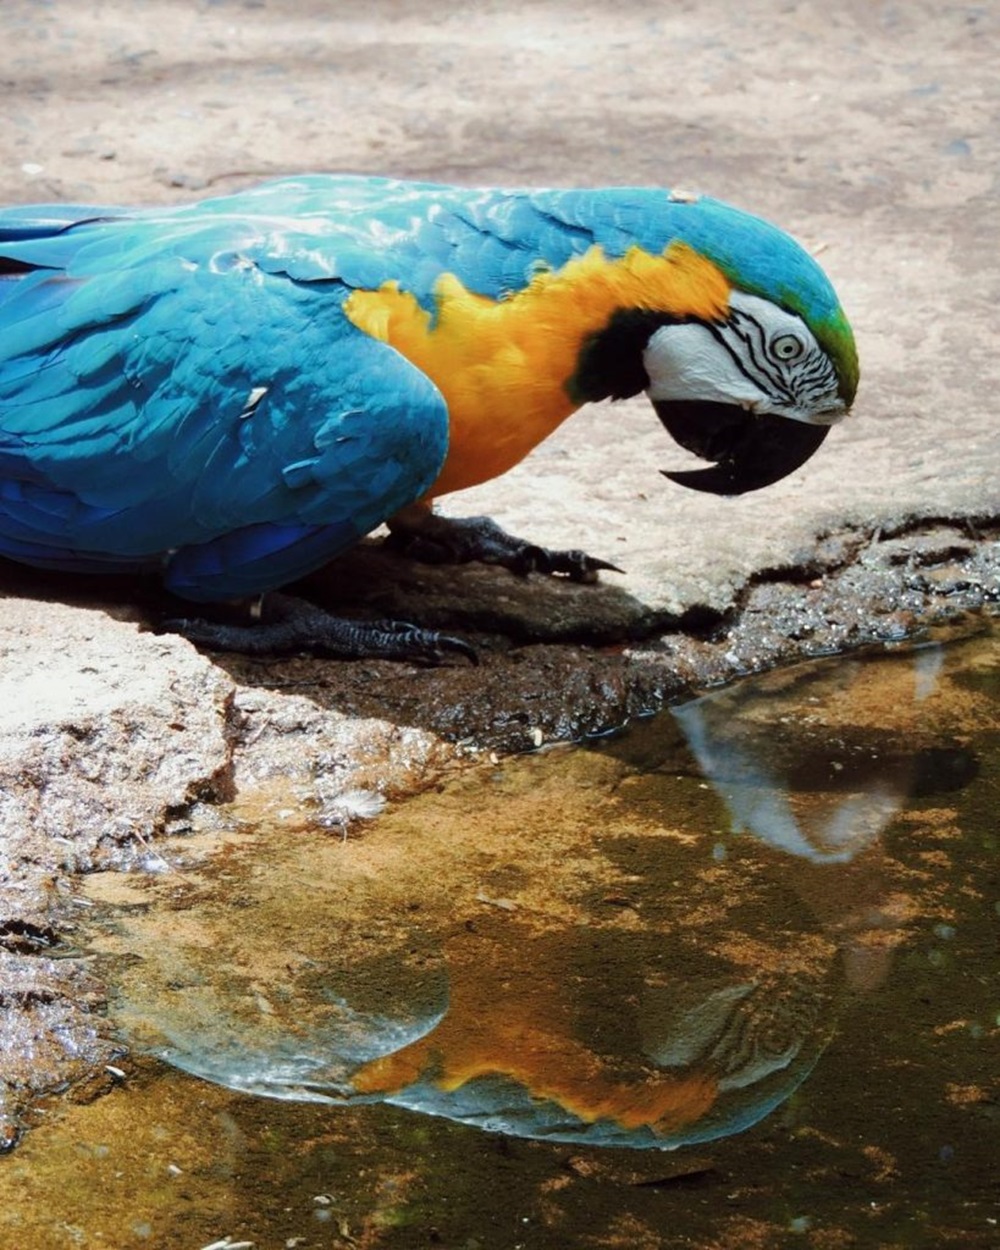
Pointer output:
x,y
787,347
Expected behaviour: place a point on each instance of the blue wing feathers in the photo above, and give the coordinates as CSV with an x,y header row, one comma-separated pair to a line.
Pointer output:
x,y
126,418
255,556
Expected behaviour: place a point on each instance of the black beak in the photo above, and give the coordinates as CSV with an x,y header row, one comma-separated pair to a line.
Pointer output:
x,y
750,450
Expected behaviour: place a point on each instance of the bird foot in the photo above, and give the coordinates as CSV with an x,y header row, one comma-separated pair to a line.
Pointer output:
x,y
435,539
289,624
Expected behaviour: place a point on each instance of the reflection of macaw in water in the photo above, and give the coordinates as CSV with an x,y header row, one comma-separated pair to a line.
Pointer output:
x,y
713,1054
546,1024
518,1030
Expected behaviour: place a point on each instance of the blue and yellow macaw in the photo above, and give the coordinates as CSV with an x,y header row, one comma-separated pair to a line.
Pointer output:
x,y
233,392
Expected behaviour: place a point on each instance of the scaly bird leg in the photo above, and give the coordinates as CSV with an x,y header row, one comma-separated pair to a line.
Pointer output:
x,y
423,535
289,624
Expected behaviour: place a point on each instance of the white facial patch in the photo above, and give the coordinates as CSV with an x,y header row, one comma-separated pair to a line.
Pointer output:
x,y
688,362
761,358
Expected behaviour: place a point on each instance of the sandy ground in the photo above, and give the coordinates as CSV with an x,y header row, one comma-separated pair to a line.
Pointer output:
x,y
868,130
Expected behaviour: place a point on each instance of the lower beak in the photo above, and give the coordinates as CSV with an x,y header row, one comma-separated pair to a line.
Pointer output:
x,y
750,450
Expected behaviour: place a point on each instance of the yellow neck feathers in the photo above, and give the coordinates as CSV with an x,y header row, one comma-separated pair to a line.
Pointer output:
x,y
505,366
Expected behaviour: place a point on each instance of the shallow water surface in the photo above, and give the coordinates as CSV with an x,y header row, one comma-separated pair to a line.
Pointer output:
x,y
729,978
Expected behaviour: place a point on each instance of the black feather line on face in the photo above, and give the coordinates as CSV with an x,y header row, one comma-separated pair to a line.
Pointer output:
x,y
753,336
758,380
611,361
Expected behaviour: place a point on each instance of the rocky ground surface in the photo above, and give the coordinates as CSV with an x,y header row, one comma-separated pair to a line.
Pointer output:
x,y
866,129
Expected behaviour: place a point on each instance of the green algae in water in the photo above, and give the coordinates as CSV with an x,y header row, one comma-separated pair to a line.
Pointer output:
x,y
761,930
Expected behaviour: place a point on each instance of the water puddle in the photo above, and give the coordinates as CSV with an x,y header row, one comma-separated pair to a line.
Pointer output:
x,y
730,977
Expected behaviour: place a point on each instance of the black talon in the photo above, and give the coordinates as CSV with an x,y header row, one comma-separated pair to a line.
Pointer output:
x,y
575,564
435,539
296,625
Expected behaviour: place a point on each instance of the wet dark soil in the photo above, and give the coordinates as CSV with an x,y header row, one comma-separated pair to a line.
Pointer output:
x,y
551,671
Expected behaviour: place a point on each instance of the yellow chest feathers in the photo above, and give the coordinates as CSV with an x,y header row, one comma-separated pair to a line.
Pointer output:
x,y
505,367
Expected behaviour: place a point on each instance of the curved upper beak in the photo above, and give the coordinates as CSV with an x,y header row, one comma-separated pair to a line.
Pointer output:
x,y
750,450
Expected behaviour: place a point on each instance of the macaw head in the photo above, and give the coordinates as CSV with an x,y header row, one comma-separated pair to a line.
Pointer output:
x,y
745,352
756,393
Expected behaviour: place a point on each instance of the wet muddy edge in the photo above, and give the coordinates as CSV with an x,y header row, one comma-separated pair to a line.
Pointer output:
x,y
139,735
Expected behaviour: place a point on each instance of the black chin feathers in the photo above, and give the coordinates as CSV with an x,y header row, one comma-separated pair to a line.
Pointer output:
x,y
611,360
